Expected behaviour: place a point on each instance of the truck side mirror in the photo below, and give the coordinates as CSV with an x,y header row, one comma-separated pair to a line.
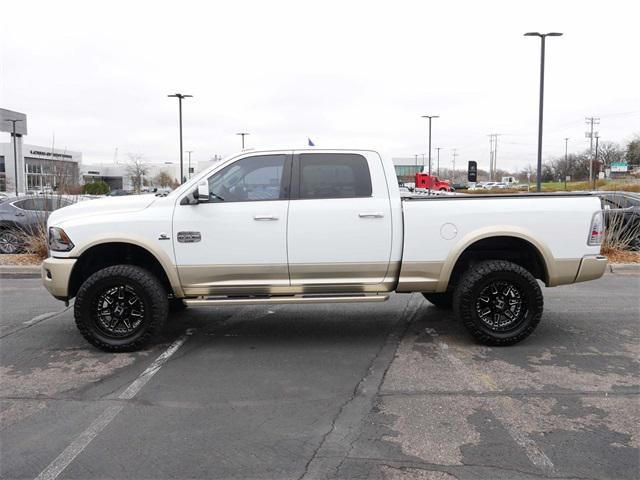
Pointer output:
x,y
202,193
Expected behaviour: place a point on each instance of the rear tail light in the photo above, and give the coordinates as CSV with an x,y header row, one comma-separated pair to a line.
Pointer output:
x,y
596,231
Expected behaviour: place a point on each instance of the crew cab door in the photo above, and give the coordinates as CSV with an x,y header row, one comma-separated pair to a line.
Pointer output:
x,y
236,243
339,229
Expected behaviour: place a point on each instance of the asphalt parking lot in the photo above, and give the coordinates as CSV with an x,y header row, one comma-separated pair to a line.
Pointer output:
x,y
392,390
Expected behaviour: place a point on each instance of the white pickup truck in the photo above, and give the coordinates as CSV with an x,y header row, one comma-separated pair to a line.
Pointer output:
x,y
301,226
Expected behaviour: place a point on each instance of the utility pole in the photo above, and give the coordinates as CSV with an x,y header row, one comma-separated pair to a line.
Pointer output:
x,y
493,155
180,96
416,159
566,161
15,153
430,117
438,161
242,135
591,121
596,163
423,162
453,165
189,170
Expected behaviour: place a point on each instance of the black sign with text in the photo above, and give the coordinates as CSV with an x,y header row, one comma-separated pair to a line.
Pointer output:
x,y
472,174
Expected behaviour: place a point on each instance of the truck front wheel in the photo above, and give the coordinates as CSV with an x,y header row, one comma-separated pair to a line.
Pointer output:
x,y
120,308
499,302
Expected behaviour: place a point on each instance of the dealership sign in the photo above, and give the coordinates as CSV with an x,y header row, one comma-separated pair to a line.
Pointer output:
x,y
619,167
50,154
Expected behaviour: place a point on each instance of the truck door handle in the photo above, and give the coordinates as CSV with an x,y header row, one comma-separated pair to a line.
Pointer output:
x,y
371,215
264,217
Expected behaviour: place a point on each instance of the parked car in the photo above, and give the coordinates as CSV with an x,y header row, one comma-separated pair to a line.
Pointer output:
x,y
623,207
118,192
308,226
24,215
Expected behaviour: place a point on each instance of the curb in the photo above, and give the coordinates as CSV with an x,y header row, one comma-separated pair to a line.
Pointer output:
x,y
624,267
19,271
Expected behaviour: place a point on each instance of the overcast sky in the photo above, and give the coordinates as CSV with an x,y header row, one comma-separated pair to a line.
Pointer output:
x,y
346,74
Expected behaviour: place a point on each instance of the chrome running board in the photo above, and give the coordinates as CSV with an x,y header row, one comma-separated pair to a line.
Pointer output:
x,y
206,302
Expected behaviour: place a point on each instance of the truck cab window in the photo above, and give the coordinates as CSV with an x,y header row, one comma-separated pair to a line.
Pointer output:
x,y
248,180
329,175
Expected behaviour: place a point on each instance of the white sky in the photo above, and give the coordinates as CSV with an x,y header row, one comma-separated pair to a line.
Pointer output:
x,y
352,74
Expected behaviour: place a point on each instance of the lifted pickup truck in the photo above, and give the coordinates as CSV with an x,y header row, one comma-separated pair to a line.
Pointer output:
x,y
302,226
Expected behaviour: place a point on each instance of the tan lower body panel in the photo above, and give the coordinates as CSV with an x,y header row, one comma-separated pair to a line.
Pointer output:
x,y
563,271
419,276
274,279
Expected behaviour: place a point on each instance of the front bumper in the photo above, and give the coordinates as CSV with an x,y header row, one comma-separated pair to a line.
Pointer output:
x,y
591,267
56,273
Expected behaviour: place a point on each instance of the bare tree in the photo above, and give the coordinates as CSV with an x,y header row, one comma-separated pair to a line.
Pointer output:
x,y
137,169
163,179
610,152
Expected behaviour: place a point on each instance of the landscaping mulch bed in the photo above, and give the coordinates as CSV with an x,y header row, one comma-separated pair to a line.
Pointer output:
x,y
622,256
20,259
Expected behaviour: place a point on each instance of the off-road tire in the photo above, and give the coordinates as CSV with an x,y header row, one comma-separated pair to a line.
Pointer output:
x,y
481,276
143,284
441,300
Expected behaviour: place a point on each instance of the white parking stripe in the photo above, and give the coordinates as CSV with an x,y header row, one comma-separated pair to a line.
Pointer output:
x,y
44,316
81,442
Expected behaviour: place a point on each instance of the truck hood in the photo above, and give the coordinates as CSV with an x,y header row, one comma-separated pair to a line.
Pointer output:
x,y
102,206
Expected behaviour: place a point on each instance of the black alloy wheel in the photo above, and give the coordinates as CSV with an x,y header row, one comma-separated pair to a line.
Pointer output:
x,y
120,308
499,302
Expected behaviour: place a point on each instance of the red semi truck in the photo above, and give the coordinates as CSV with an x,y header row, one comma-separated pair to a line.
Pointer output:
x,y
426,181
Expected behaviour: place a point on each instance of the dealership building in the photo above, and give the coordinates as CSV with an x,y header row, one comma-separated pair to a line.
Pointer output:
x,y
38,167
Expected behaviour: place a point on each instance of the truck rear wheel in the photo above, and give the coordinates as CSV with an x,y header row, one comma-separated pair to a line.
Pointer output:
x,y
120,308
499,302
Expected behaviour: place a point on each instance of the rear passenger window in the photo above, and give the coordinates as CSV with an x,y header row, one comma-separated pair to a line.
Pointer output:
x,y
334,175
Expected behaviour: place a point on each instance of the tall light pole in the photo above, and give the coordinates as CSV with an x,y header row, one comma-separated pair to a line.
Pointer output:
x,y
242,135
15,153
542,36
430,117
566,161
438,161
180,96
189,163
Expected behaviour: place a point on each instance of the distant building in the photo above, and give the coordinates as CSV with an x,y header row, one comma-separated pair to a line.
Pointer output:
x,y
38,167
406,168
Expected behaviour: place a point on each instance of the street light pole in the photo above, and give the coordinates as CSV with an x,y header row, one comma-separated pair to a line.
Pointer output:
x,y
542,36
566,161
180,96
430,117
242,135
189,167
15,153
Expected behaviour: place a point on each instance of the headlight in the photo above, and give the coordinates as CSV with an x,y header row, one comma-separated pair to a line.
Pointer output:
x,y
59,241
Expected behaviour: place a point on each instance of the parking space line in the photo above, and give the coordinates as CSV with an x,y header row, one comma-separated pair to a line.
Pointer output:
x,y
81,442
34,321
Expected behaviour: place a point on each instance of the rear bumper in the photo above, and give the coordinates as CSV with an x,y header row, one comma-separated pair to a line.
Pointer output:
x,y
56,273
591,267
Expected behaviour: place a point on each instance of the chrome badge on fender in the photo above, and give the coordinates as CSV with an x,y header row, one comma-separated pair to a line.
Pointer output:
x,y
189,237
